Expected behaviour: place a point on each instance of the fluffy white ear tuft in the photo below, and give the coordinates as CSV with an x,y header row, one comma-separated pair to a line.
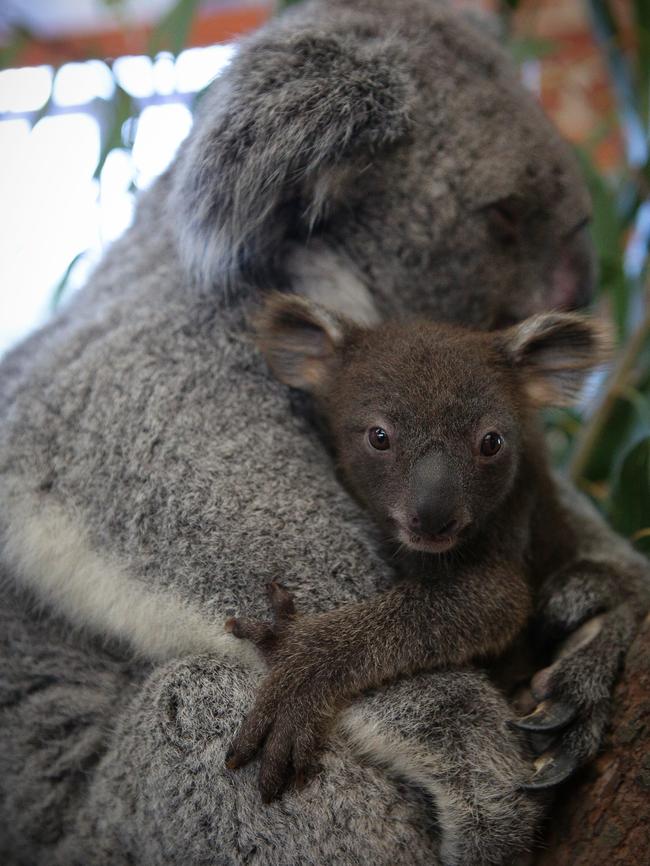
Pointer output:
x,y
278,142
555,352
300,340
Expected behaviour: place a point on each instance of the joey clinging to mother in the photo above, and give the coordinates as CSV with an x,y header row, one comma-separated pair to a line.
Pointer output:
x,y
434,431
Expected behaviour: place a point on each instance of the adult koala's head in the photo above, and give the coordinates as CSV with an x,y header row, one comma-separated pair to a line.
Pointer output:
x,y
383,157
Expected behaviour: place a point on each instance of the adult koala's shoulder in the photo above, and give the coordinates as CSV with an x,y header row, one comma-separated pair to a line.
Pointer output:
x,y
393,140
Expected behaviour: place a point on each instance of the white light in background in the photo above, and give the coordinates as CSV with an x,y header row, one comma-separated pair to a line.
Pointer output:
x,y
117,202
531,76
164,78
23,90
48,212
635,253
196,67
161,128
50,142
135,75
79,83
52,208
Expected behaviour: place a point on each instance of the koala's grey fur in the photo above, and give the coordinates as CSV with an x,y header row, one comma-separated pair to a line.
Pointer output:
x,y
153,477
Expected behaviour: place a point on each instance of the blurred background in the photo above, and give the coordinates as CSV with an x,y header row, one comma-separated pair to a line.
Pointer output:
x,y
96,96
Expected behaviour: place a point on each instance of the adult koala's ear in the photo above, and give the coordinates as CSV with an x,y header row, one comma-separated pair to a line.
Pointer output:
x,y
554,352
277,139
300,341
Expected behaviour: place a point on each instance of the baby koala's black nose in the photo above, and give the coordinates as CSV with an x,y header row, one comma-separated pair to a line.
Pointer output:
x,y
436,494
434,523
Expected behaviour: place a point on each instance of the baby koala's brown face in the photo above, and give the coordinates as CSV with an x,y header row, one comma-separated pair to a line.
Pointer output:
x,y
427,425
429,421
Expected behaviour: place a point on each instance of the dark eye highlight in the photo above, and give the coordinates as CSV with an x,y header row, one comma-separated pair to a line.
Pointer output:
x,y
491,444
378,438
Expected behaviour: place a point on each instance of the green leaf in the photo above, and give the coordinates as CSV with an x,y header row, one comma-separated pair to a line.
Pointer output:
x,y
607,31
62,285
122,109
526,48
642,19
608,229
630,499
19,38
173,29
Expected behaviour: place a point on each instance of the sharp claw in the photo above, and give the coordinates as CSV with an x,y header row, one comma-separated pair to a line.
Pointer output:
x,y
550,770
549,716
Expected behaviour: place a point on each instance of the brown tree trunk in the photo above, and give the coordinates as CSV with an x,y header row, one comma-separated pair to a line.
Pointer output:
x,y
602,818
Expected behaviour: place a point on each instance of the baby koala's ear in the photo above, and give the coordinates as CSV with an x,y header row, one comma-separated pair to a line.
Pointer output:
x,y
300,340
554,353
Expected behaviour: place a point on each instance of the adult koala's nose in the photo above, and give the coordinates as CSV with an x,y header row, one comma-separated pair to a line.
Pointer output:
x,y
573,275
436,497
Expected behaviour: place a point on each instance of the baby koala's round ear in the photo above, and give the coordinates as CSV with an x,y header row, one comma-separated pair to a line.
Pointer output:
x,y
554,352
299,339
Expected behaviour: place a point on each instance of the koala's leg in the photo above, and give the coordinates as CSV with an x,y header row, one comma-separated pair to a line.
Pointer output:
x,y
582,607
449,734
587,616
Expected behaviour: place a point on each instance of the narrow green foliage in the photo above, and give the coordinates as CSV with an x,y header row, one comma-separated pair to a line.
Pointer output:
x,y
62,286
121,110
19,38
173,29
527,48
630,500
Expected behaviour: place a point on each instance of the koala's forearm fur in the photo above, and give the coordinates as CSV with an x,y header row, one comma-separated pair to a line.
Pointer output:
x,y
434,622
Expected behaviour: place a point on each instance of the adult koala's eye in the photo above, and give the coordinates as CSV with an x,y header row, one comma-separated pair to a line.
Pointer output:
x,y
378,438
491,444
504,217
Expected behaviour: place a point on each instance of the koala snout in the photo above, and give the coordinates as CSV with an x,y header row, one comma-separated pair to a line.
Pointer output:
x,y
436,504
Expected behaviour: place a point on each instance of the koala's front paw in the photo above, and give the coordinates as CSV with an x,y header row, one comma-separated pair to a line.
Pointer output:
x,y
285,723
573,694
289,713
266,635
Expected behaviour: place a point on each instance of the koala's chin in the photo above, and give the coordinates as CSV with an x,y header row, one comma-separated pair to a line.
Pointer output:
x,y
439,543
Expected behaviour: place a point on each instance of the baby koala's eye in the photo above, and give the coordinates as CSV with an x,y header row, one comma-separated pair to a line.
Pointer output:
x,y
491,444
378,438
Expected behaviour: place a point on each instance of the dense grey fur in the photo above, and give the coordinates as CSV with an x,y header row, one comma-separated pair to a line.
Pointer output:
x,y
152,473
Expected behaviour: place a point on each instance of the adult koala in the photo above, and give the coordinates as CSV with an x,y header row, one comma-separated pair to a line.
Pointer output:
x,y
153,477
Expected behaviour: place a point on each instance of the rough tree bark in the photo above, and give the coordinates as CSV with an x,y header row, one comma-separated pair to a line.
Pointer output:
x,y
603,817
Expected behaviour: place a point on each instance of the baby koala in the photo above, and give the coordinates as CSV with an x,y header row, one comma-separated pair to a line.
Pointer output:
x,y
435,432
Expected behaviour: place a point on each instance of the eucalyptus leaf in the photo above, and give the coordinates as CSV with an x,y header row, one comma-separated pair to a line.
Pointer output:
x,y
523,49
62,285
173,29
642,20
19,37
630,499
121,110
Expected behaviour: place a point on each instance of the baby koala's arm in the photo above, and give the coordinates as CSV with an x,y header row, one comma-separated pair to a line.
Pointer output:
x,y
319,661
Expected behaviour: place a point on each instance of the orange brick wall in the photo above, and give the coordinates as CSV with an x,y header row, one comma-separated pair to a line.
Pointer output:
x,y
574,84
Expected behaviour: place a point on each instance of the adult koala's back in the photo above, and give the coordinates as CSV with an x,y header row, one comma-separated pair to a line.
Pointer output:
x,y
152,476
